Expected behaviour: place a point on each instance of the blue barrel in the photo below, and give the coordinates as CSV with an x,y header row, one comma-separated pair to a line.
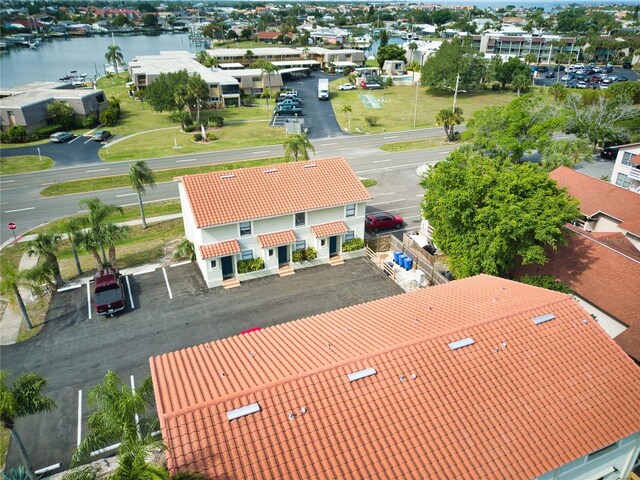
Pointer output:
x,y
407,263
401,258
396,254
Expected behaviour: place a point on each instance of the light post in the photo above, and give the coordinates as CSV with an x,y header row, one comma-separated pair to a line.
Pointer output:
x,y
415,103
39,156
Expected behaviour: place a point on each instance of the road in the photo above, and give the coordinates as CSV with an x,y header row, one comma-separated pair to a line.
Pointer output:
x,y
22,204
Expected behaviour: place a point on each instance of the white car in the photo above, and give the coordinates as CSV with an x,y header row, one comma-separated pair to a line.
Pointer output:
x,y
347,86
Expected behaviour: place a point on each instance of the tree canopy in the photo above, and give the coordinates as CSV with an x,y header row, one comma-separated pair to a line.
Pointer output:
x,y
161,93
488,214
390,52
452,58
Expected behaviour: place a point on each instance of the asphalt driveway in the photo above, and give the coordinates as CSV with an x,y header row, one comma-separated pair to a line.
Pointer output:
x,y
79,151
76,348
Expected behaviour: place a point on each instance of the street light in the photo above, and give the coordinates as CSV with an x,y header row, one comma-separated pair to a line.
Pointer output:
x,y
415,104
455,91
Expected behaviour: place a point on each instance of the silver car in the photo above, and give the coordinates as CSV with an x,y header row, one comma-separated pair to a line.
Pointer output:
x,y
61,137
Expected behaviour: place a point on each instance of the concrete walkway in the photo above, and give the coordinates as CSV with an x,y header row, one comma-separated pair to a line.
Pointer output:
x,y
10,317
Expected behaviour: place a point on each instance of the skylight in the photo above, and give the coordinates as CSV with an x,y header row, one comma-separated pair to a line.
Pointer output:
x,y
243,411
465,342
543,318
367,372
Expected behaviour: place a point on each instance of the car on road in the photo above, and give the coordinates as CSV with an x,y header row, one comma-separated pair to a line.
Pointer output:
x,y
347,86
100,135
291,110
610,153
375,222
61,137
108,292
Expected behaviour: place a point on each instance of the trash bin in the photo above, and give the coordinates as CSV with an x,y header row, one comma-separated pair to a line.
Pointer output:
x,y
396,254
401,258
407,263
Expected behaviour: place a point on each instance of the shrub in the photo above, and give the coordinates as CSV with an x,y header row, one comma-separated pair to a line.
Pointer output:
x,y
371,120
311,253
216,121
198,137
45,132
545,281
109,117
495,86
60,113
304,254
84,473
251,265
16,134
297,255
353,244
90,121
191,128
388,82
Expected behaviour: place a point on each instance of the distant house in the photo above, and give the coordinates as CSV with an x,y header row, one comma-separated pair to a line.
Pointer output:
x,y
477,378
393,67
268,213
330,56
626,172
267,37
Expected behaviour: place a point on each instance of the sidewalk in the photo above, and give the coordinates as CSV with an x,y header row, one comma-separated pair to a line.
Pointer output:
x,y
10,318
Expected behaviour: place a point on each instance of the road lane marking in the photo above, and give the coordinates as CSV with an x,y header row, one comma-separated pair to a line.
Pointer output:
x,y
389,138
394,167
387,201
381,161
133,390
79,438
89,299
402,208
187,160
444,153
328,144
130,296
46,184
97,170
166,280
180,263
420,195
7,189
384,194
47,469
7,181
125,195
20,210
260,152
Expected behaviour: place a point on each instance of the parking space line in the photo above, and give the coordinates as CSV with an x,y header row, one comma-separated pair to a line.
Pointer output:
x,y
73,286
387,201
130,296
384,194
403,208
89,299
133,389
79,418
79,136
180,263
166,280
144,271
88,140
47,469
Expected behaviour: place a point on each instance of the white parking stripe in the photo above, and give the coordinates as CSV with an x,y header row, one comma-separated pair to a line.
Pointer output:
x,y
73,286
105,449
89,300
79,438
144,271
88,140
384,194
133,389
125,195
180,263
79,136
130,296
166,280
381,161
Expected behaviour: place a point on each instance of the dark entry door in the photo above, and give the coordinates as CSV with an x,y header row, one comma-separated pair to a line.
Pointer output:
x,y
283,255
333,246
227,267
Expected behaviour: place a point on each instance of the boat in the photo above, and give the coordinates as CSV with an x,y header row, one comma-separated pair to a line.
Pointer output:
x,y
73,75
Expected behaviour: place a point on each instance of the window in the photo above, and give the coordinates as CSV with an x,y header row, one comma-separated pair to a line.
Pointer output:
x,y
351,210
623,180
301,219
348,236
323,242
626,159
247,254
300,245
245,229
271,252
602,452
100,98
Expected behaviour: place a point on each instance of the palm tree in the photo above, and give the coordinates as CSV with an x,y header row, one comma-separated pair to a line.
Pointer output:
x,y
268,69
45,245
558,90
413,46
197,91
553,43
90,242
248,55
112,234
185,249
187,475
266,93
96,218
114,56
449,118
297,145
141,177
23,399
11,280
346,109
203,57
520,83
132,460
530,58
72,228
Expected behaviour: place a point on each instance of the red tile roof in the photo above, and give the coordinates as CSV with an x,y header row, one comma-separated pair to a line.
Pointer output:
x,y
599,196
267,35
259,192
602,276
521,401
276,239
219,249
329,229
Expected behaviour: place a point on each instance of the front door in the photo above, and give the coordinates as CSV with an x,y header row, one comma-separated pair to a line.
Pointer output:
x,y
283,255
333,246
227,267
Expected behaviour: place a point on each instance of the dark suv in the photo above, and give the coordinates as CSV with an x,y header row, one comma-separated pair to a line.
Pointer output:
x,y
610,153
108,292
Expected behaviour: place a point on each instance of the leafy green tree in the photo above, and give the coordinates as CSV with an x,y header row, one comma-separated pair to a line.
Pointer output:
x,y
60,113
566,153
449,118
545,281
630,90
510,69
384,39
390,52
248,55
524,124
530,58
114,56
120,21
440,70
45,245
558,90
297,145
161,93
141,177
24,398
489,214
520,83
11,280
150,20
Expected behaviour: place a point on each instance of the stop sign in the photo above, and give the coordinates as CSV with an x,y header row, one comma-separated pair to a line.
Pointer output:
x,y
11,225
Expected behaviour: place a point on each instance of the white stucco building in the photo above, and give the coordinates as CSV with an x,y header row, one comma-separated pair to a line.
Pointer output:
x,y
626,172
268,213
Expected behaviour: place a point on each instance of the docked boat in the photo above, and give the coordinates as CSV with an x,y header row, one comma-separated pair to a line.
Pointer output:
x,y
73,75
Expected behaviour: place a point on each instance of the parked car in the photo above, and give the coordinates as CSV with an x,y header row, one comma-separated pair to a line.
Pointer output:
x,y
285,95
596,79
290,101
610,153
572,84
108,292
100,135
61,137
581,84
347,86
626,65
609,79
622,78
370,86
291,110
559,67
381,220
608,69
550,75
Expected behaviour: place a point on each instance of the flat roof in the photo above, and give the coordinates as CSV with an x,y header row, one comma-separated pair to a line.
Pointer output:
x,y
25,98
157,64
257,52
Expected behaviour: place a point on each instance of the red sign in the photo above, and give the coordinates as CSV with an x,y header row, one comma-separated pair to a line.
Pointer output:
x,y
11,225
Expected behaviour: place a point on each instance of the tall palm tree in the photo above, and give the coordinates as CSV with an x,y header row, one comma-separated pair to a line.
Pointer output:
x,y
520,83
114,56
297,145
530,58
267,69
112,234
97,217
346,109
11,280
45,245
413,46
72,228
558,90
23,399
197,91
248,55
141,177
90,242
122,415
449,118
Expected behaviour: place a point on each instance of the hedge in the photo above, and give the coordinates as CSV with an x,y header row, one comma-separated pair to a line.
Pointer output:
x,y
352,245
251,265
304,254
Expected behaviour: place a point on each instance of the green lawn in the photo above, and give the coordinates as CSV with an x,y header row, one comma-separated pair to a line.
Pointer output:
x,y
24,163
397,112
416,144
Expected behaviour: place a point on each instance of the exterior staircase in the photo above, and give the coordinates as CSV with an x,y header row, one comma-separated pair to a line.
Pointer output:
x,y
335,261
230,283
286,270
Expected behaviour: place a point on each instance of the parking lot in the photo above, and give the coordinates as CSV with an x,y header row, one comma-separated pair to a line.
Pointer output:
x,y
168,309
617,72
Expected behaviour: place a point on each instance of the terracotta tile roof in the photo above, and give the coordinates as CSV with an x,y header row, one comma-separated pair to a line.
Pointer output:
x,y
329,229
258,192
616,240
219,249
521,401
276,239
596,195
602,276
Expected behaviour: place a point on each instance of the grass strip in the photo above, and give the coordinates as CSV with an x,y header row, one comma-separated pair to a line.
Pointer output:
x,y
24,164
369,182
416,145
118,181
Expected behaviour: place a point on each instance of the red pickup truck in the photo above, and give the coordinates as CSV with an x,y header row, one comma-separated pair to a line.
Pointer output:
x,y
108,292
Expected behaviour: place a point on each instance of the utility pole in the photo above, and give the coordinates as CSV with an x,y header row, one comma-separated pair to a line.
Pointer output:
x,y
455,92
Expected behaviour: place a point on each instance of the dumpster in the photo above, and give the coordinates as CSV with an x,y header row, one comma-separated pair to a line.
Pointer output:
x,y
401,258
407,263
396,254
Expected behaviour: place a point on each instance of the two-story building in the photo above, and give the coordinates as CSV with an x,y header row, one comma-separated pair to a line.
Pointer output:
x,y
270,212
626,171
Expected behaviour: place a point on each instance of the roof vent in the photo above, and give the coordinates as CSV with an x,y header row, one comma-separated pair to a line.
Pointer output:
x,y
367,372
309,165
243,411
231,175
543,318
465,342
271,170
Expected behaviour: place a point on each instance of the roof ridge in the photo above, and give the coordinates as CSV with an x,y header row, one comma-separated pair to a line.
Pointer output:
x,y
577,232
324,368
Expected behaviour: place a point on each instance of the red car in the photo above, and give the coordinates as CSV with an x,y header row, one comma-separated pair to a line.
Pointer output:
x,y
108,292
381,220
